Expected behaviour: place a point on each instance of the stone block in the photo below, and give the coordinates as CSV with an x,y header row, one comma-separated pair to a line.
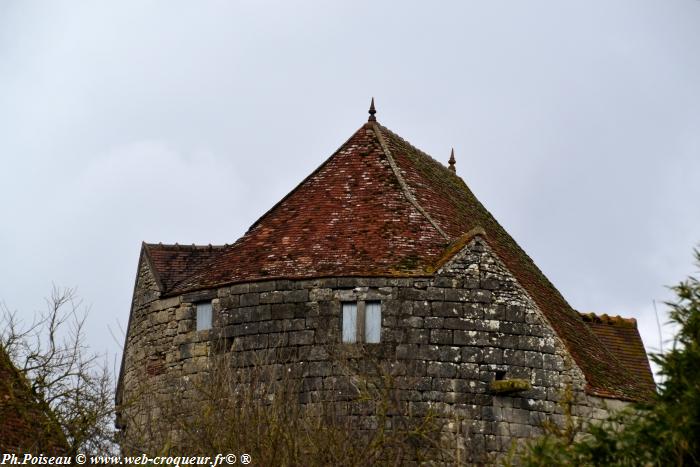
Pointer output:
x,y
441,369
515,313
450,354
185,351
480,296
245,329
411,322
274,296
446,309
421,308
533,359
327,335
406,351
490,281
489,325
471,282
552,362
435,293
239,289
312,384
441,336
459,323
329,282
240,315
495,312
278,339
322,368
171,302
447,281
433,396
395,336
317,295
457,295
250,299
514,357
433,322
296,296
282,310
185,326
184,312
261,313
271,326
229,302
454,397
301,337
472,354
451,385
468,371
474,311
296,324
262,286
412,294
428,352
492,355
417,336
416,367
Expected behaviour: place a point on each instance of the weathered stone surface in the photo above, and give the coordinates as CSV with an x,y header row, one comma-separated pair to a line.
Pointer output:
x,y
444,340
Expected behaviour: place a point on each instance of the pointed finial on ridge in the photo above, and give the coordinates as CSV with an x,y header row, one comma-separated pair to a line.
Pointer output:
x,y
372,111
452,161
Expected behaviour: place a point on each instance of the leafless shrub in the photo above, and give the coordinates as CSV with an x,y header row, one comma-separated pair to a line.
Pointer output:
x,y
268,411
75,383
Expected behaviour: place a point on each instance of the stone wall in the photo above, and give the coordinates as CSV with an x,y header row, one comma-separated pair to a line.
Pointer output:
x,y
446,337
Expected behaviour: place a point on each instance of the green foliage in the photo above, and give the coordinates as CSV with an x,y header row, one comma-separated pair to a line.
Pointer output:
x,y
663,432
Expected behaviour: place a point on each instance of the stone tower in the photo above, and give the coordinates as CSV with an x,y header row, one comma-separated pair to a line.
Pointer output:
x,y
383,247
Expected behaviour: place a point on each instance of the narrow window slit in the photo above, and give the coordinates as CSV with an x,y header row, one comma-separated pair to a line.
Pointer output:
x,y
204,316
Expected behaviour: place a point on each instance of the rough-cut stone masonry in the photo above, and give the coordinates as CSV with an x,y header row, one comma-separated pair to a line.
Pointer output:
x,y
446,337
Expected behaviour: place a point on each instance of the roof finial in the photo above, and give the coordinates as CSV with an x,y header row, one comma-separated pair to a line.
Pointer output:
x,y
372,111
452,161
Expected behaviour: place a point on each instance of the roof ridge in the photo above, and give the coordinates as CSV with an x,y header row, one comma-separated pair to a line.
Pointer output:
x,y
178,246
404,186
616,320
418,150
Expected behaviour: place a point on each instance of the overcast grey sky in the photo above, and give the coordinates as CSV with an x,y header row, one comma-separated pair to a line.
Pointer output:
x,y
576,123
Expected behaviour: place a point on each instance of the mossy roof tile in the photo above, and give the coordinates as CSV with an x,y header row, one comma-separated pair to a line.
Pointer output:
x,y
27,424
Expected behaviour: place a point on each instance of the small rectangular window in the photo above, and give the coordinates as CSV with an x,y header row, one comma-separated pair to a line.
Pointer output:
x,y
204,314
349,322
373,322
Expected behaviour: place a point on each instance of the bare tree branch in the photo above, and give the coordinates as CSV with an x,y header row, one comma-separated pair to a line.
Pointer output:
x,y
61,369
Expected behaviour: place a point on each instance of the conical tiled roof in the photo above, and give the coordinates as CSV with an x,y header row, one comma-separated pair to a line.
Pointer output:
x,y
380,207
350,217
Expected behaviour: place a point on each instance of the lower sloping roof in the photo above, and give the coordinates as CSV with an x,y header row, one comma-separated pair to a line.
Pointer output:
x,y
621,337
174,263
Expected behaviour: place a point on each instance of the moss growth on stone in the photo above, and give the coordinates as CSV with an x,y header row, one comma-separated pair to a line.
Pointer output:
x,y
507,386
